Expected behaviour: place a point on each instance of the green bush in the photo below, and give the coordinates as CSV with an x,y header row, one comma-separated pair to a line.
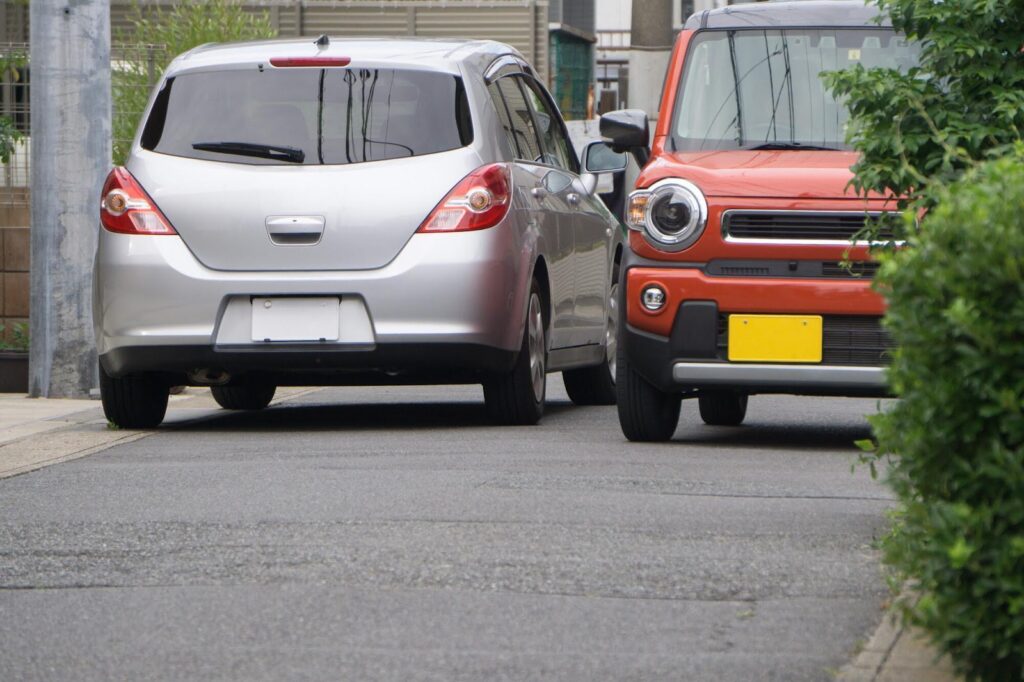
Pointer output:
x,y
964,104
956,298
157,36
9,138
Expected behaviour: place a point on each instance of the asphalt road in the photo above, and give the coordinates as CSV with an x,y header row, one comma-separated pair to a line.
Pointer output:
x,y
369,533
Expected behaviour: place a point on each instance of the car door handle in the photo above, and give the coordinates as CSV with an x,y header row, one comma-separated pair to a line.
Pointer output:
x,y
539,192
573,198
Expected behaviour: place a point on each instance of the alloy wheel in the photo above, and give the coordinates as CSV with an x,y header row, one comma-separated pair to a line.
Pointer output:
x,y
535,320
611,334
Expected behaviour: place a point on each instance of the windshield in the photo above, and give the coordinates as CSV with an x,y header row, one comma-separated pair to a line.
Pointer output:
x,y
308,116
748,88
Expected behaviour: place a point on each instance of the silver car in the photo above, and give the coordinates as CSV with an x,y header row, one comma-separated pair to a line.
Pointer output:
x,y
338,212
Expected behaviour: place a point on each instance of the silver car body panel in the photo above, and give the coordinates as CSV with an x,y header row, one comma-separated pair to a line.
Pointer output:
x,y
370,210
392,284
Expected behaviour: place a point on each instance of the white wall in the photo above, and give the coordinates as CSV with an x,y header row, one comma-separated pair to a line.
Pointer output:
x,y
612,15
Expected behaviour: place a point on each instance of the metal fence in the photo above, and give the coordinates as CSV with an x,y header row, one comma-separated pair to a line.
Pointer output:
x,y
14,106
135,69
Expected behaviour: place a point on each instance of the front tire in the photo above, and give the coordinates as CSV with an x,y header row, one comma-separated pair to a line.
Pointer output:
x,y
722,408
596,385
135,401
243,397
517,398
646,414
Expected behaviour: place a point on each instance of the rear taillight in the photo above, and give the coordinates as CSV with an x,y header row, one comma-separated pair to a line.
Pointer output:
x,y
480,200
126,208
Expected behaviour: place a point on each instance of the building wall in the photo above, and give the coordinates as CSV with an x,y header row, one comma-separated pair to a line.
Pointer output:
x,y
579,14
520,23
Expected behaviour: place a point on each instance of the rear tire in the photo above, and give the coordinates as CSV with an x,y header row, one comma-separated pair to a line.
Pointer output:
x,y
722,408
517,398
646,414
254,397
135,401
596,385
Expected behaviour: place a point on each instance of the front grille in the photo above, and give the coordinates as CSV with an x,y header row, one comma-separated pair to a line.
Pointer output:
x,y
839,269
797,225
846,340
744,271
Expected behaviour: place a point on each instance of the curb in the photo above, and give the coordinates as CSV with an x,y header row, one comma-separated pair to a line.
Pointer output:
x,y
898,653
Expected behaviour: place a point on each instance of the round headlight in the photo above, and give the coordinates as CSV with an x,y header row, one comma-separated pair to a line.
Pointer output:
x,y
674,213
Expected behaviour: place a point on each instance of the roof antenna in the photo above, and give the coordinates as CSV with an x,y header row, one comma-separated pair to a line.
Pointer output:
x,y
322,41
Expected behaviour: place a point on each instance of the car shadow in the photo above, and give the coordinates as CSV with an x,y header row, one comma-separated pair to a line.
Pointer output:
x,y
350,417
775,436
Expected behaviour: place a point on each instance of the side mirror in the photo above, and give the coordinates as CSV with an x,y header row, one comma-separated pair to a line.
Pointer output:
x,y
627,130
598,157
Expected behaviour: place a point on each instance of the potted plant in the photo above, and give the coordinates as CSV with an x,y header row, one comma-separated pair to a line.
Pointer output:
x,y
14,359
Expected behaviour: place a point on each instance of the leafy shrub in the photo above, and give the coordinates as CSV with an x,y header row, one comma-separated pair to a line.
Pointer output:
x,y
18,338
160,34
964,104
9,138
956,299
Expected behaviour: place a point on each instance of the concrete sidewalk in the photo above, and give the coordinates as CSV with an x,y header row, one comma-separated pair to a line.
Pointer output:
x,y
35,433
38,432
896,653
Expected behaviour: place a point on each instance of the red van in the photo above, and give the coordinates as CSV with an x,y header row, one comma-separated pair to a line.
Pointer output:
x,y
743,276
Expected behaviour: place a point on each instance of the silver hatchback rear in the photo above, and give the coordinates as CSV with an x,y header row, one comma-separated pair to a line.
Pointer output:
x,y
362,211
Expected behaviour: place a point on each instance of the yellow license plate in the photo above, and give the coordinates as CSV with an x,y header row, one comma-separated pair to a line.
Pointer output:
x,y
775,338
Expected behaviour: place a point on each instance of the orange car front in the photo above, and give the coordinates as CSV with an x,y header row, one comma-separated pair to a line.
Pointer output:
x,y
745,273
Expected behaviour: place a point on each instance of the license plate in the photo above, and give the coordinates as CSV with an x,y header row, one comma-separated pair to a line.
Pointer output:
x,y
295,319
775,338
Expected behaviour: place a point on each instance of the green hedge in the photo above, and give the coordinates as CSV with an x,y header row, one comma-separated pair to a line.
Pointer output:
x,y
956,299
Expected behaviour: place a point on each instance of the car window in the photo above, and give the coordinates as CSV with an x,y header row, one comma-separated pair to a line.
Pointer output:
x,y
557,148
522,119
503,118
317,116
757,86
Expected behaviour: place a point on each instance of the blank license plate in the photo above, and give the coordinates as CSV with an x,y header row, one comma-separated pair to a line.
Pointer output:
x,y
775,338
295,319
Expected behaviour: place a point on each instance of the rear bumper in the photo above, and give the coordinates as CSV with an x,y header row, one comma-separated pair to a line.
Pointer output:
x,y
680,348
157,308
307,365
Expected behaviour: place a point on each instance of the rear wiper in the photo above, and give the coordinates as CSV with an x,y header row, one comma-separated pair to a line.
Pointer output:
x,y
767,146
263,151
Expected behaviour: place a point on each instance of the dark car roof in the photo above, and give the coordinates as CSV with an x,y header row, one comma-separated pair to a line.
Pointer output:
x,y
810,14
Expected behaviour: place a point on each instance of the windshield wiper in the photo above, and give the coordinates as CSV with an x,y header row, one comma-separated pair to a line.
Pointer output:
x,y
263,151
789,145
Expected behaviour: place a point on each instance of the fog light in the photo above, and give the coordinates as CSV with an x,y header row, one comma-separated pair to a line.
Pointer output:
x,y
653,298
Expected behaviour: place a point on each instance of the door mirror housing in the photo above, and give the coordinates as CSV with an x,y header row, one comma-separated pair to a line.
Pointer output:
x,y
627,130
586,184
598,157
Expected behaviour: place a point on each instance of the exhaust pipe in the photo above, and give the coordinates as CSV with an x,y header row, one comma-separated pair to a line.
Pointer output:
x,y
209,377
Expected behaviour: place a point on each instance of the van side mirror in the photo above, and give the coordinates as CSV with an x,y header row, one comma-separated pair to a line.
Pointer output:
x,y
626,130
598,157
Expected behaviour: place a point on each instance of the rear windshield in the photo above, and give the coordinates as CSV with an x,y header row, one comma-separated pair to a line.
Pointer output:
x,y
308,116
751,87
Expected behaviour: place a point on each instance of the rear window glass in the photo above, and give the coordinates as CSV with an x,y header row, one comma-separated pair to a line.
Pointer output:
x,y
308,116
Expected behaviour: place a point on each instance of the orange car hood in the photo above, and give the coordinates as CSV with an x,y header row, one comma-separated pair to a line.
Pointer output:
x,y
752,174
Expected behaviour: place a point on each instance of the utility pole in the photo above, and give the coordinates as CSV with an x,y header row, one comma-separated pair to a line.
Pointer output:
x,y
650,45
71,133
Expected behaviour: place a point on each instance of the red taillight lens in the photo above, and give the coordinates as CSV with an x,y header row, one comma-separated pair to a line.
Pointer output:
x,y
126,208
310,61
480,200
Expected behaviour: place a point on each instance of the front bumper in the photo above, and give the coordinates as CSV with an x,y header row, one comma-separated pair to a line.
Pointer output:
x,y
681,348
447,300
